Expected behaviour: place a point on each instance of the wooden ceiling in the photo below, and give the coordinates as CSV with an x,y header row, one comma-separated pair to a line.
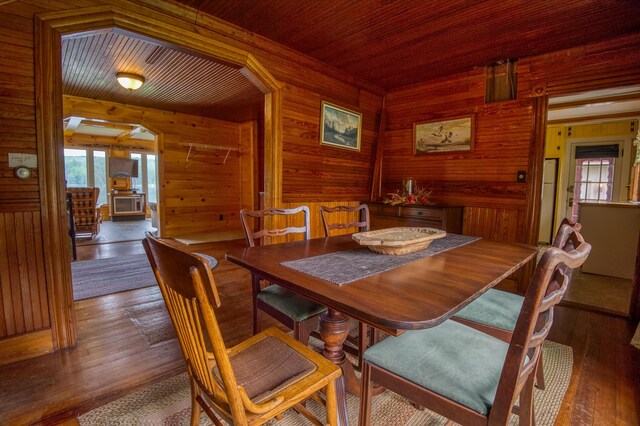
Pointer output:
x,y
393,43
174,80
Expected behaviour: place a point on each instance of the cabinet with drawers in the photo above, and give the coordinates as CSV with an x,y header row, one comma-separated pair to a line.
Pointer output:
x,y
441,217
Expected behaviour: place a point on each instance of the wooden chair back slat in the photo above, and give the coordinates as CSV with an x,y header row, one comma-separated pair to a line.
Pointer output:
x,y
536,318
362,222
251,235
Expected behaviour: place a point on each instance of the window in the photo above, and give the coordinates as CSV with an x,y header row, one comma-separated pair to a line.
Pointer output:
x,y
86,168
594,181
147,175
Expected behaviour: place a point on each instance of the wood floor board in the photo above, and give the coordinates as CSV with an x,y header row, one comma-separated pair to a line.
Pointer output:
x,y
114,356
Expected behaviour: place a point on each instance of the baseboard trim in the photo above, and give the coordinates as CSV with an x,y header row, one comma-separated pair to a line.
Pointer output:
x,y
25,346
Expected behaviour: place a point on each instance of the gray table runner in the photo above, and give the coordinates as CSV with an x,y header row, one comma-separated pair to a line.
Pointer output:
x,y
347,266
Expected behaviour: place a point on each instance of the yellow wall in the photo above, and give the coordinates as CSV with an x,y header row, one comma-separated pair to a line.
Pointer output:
x,y
559,134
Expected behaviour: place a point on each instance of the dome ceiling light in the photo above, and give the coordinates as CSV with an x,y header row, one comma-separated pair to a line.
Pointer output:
x,y
130,81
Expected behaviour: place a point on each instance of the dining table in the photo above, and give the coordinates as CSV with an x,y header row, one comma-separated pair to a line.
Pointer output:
x,y
417,294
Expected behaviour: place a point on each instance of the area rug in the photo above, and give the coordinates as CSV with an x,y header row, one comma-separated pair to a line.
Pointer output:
x,y
635,341
92,278
168,402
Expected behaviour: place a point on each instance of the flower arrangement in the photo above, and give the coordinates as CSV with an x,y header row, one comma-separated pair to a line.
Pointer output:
x,y
419,196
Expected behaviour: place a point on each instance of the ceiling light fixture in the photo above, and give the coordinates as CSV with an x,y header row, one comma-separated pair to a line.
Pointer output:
x,y
130,81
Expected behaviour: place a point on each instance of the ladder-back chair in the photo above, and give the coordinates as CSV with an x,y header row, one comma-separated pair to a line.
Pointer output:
x,y
468,376
496,312
247,384
296,312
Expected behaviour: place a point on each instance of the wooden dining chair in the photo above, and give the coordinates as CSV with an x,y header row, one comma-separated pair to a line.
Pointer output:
x,y
466,375
247,384
361,336
496,312
362,223
296,312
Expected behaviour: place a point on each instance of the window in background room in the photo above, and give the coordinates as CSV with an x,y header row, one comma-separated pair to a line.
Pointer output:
x,y
75,168
100,174
86,168
146,181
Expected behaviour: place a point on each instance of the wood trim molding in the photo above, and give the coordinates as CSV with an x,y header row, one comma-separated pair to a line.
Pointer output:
x,y
26,346
141,21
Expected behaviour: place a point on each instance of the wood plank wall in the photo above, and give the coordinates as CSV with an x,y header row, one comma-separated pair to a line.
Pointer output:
x,y
484,180
195,192
304,80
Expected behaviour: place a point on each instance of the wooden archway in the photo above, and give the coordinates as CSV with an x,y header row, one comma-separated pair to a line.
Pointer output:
x,y
144,22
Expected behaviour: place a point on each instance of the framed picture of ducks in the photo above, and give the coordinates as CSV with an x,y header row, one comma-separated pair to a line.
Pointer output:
x,y
451,135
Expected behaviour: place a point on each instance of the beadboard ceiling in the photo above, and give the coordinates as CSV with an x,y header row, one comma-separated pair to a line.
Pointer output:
x,y
393,43
175,80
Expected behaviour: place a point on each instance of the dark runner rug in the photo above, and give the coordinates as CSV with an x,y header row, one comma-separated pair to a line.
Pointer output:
x,y
92,278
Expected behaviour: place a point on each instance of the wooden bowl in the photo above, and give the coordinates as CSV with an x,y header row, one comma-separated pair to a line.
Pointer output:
x,y
398,241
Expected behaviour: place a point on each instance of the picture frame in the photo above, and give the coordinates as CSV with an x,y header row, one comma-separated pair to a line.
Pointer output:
x,y
340,127
454,134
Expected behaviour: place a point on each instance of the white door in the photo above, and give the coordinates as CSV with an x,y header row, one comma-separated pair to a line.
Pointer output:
x,y
593,176
547,206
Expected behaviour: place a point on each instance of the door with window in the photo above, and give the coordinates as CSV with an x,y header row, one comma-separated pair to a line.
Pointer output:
x,y
146,182
594,174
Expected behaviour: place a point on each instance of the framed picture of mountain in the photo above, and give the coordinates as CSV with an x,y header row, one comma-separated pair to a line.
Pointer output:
x,y
340,127
443,135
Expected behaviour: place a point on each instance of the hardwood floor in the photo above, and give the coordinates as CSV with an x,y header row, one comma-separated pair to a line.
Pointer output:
x,y
126,341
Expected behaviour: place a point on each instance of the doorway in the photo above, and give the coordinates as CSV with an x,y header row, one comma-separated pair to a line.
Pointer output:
x,y
589,139
49,31
123,173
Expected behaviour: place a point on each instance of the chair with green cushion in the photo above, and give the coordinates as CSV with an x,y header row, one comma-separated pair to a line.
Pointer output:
x,y
466,375
496,312
296,312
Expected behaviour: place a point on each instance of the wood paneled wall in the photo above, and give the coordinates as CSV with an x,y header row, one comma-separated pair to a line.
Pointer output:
x,y
484,180
303,81
321,173
196,192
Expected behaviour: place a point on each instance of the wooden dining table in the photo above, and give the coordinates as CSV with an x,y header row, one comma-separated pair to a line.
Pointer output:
x,y
417,295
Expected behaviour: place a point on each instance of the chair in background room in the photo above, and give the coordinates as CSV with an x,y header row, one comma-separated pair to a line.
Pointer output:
x,y
247,384
360,224
466,375
86,212
296,312
496,312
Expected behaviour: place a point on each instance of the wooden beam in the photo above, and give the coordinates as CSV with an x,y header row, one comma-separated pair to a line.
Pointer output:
x,y
583,102
129,134
72,125
630,114
110,125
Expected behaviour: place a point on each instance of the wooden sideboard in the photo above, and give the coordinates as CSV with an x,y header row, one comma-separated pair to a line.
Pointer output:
x,y
441,217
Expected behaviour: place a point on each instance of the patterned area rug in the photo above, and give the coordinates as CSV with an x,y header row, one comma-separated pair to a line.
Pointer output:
x,y
92,278
168,402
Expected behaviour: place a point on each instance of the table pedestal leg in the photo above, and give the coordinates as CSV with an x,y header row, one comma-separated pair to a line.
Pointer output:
x,y
334,329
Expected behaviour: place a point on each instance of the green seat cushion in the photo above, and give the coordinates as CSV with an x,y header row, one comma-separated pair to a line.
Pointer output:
x,y
495,308
452,360
289,303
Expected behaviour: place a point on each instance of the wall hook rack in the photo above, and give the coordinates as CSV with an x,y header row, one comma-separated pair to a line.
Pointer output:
x,y
209,148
